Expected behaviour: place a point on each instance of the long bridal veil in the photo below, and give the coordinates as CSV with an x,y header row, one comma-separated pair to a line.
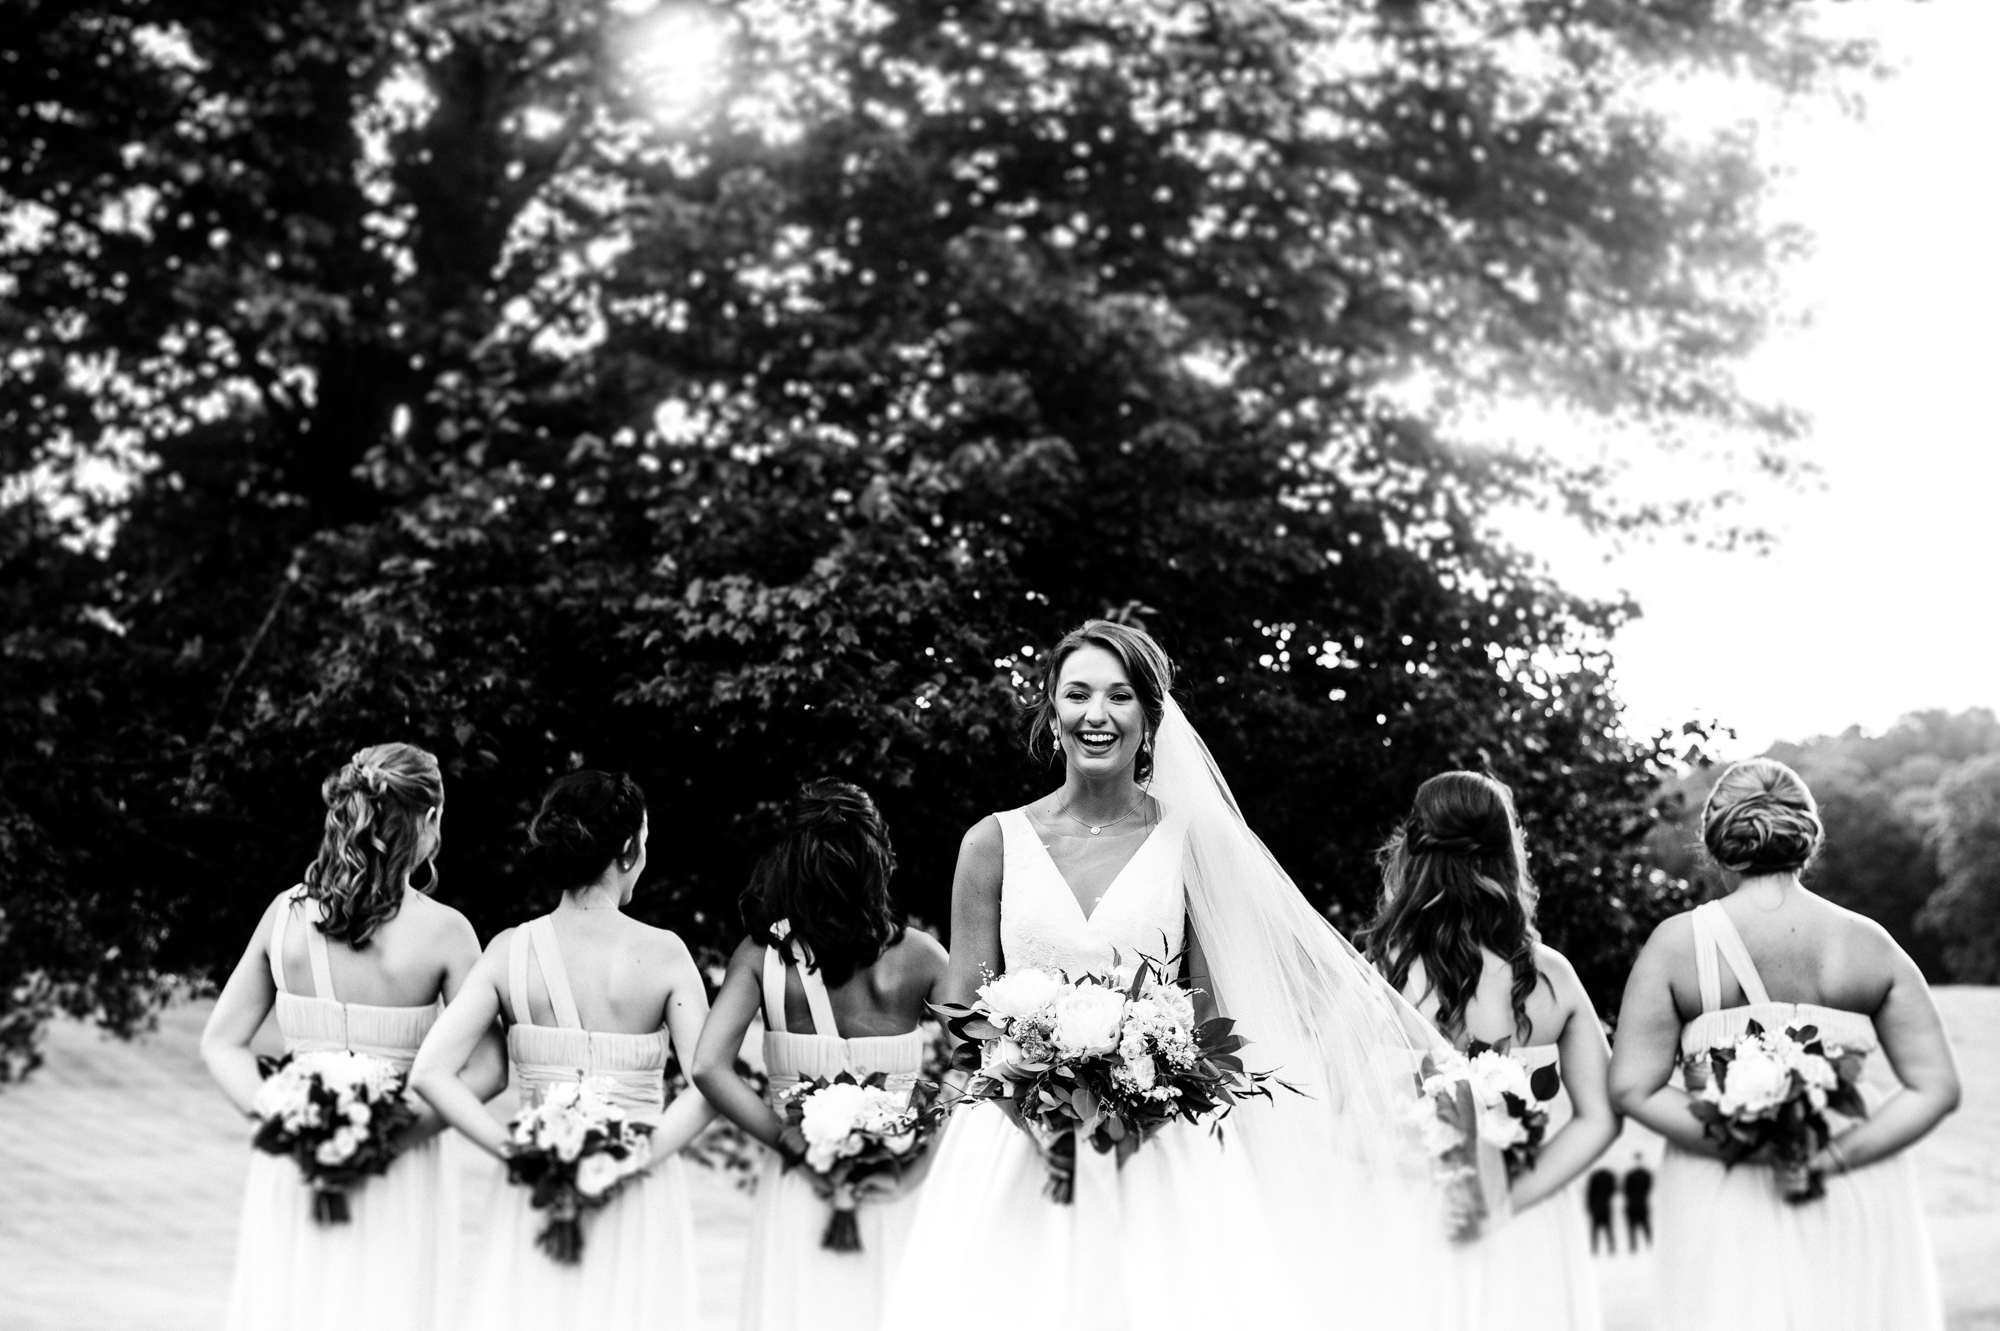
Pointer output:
x,y
1335,1166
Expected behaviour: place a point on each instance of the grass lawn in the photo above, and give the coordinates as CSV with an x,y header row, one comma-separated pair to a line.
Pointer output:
x,y
123,1169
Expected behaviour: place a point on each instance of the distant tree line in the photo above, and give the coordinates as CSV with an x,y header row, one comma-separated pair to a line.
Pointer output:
x,y
1913,834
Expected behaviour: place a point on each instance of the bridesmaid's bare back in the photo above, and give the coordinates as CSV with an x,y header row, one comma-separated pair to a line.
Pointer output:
x,y
620,971
1805,949
403,964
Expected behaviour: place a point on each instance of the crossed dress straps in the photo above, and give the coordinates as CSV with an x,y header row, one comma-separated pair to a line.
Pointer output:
x,y
1715,934
819,1003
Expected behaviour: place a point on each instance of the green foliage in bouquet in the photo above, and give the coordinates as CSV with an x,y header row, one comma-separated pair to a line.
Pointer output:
x,y
1784,1125
371,1152
867,1145
1067,1097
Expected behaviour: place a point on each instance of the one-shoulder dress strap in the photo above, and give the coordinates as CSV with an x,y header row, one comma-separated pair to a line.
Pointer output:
x,y
819,1003
322,969
517,974
549,959
1738,957
277,945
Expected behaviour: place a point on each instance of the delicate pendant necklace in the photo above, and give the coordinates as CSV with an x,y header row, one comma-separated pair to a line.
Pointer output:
x,y
1097,829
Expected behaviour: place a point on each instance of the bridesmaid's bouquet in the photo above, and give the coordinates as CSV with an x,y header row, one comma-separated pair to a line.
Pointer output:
x,y
1765,1098
851,1138
574,1149
1102,1058
1479,1098
337,1115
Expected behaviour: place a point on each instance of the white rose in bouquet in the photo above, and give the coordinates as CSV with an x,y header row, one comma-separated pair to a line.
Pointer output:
x,y
565,1137
1021,994
596,1172
831,1115
1756,1082
1494,1074
1088,1020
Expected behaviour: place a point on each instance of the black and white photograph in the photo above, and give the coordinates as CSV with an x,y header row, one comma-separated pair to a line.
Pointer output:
x,y
1083,665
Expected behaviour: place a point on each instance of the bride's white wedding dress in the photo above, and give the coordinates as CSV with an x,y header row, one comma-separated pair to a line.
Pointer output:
x,y
1733,1255
390,1265
1175,1237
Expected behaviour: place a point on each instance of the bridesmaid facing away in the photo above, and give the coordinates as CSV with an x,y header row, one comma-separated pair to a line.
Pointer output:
x,y
356,957
1733,1254
1456,934
586,992
842,987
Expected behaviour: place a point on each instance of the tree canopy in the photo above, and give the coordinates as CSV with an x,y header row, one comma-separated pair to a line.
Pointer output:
x,y
473,373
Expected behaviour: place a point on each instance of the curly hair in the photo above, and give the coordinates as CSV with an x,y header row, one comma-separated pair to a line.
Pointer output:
x,y
1761,818
376,806
1147,667
586,820
829,876
1454,886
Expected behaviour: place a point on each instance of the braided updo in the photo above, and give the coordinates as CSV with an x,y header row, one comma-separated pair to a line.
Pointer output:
x,y
376,808
1761,818
586,820
829,876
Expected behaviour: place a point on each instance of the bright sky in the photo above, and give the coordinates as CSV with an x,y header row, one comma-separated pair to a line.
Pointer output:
x,y
1880,597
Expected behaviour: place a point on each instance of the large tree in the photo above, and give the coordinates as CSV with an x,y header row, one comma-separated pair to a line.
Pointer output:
x,y
476,373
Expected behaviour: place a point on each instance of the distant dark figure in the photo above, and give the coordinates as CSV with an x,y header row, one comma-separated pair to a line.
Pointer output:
x,y
1638,1206
1600,1191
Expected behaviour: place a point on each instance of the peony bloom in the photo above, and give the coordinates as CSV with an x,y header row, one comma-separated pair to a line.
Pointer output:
x,y
1088,1019
1020,994
1494,1074
832,1113
1757,1082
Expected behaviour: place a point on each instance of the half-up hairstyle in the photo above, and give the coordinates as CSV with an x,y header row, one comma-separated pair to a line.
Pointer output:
x,y
586,820
1147,667
1761,818
1454,886
829,876
375,811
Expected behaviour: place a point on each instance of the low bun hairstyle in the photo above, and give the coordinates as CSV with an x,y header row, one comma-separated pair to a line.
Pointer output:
x,y
1761,818
829,876
1147,667
586,820
376,807
1454,886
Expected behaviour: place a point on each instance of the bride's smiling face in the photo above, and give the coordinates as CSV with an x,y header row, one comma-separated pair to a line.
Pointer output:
x,y
1100,721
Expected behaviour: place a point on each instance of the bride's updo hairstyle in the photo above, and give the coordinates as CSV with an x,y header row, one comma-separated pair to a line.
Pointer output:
x,y
1454,882
829,876
586,820
376,808
1761,818
1146,664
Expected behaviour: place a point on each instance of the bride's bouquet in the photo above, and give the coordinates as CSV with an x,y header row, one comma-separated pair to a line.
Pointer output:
x,y
574,1149
1765,1098
337,1115
851,1138
1479,1098
1098,1057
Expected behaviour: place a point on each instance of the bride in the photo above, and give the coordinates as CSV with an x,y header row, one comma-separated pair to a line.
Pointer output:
x,y
1310,1208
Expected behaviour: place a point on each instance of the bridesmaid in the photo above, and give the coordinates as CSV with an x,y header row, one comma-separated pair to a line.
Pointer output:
x,y
1732,1253
1456,933
585,992
356,957
842,987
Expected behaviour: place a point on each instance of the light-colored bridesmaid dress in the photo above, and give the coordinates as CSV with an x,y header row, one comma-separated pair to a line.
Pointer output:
x,y
1735,1256
791,1282
637,1271
1534,1271
391,1266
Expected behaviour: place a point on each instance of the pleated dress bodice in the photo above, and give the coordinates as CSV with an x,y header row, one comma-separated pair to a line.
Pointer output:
x,y
630,1069
319,1020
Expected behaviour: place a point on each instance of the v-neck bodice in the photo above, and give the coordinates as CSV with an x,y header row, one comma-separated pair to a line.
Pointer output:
x,y
1143,911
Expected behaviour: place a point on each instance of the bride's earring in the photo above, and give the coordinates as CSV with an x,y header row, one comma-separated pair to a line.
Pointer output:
x,y
430,879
